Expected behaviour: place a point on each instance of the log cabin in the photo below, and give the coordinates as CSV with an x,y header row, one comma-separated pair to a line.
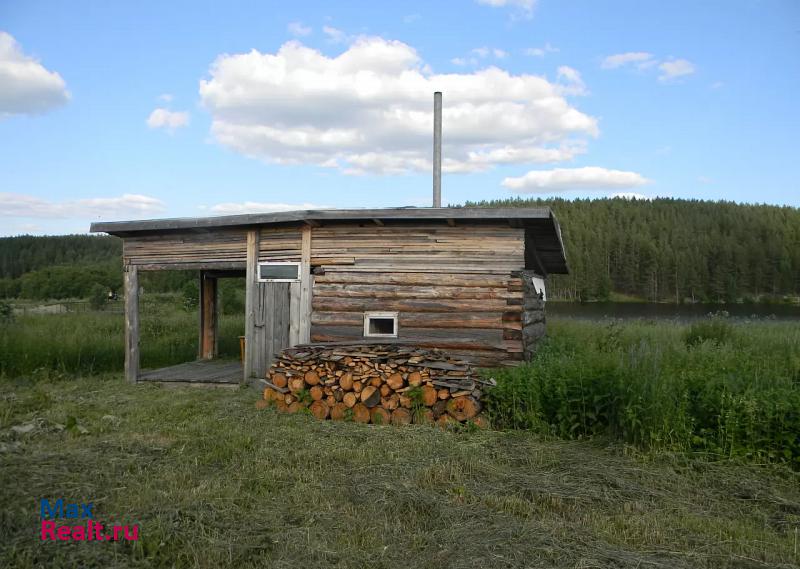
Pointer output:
x,y
465,280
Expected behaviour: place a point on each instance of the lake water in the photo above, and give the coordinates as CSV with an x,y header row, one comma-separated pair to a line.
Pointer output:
x,y
628,310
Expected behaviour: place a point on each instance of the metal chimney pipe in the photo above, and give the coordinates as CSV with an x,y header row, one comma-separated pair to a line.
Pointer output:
x,y
437,149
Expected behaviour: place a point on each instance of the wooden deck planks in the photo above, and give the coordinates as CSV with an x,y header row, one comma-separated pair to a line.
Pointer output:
x,y
208,371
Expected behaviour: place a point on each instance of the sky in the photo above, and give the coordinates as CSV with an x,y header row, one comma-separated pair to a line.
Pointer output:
x,y
141,110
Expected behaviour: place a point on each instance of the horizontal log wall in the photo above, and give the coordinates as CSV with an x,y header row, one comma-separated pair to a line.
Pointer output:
x,y
282,244
452,286
223,247
187,249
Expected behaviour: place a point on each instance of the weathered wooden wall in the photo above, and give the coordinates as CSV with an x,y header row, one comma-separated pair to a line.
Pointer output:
x,y
456,287
453,286
276,317
224,248
270,331
280,244
533,317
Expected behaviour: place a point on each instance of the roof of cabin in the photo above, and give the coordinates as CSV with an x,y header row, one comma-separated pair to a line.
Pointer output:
x,y
543,234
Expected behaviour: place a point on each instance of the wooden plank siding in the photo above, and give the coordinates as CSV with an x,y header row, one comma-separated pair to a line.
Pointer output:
x,y
280,244
453,287
187,250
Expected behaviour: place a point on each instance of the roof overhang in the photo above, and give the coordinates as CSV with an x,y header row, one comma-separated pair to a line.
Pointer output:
x,y
543,234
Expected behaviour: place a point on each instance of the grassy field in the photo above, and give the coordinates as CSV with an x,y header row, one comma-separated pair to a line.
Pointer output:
x,y
715,387
213,482
92,342
644,444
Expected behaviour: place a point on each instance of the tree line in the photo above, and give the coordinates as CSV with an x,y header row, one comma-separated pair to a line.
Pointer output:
x,y
657,250
673,250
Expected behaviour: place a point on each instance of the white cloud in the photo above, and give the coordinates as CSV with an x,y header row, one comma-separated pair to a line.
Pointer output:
x,y
674,69
462,61
170,120
524,6
20,205
231,208
638,58
564,179
479,53
571,81
26,86
541,51
671,69
336,35
368,110
299,29
632,196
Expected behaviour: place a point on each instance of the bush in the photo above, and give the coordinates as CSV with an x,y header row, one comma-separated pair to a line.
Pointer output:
x,y
6,312
715,330
231,296
191,295
97,297
733,394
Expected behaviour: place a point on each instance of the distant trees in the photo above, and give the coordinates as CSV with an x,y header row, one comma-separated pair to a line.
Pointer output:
x,y
661,250
20,255
70,281
673,250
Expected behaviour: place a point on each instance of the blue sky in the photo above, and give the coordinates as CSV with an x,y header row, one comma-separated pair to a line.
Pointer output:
x,y
112,110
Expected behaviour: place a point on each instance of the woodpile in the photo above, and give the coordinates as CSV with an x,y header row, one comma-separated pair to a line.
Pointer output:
x,y
376,383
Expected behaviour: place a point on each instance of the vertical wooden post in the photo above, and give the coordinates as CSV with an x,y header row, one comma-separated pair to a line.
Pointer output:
x,y
304,325
251,289
209,321
294,313
131,285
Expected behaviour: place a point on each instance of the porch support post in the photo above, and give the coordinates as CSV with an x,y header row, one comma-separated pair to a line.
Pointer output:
x,y
209,317
251,290
131,285
304,326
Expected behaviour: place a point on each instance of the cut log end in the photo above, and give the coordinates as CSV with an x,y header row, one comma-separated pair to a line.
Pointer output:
x,y
279,380
311,378
463,408
361,413
401,416
380,416
319,409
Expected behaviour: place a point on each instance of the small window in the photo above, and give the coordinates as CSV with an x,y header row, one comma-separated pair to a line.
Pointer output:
x,y
380,324
282,272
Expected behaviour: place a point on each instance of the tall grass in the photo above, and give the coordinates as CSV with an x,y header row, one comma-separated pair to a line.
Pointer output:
x,y
92,342
729,390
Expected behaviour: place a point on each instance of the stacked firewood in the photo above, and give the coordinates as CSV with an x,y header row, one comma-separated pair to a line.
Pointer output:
x,y
376,383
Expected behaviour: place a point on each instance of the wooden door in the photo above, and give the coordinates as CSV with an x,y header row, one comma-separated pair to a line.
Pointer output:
x,y
271,320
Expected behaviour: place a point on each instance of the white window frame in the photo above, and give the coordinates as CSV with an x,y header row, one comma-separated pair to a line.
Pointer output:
x,y
270,263
389,315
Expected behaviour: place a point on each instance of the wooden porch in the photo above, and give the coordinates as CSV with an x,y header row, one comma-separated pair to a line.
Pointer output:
x,y
201,373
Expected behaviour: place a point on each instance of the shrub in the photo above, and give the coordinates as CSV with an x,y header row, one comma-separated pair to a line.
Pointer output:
x,y
97,297
6,312
715,330
191,295
736,394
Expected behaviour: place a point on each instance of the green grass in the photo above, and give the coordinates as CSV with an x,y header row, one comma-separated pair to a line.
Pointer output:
x,y
92,342
214,483
715,388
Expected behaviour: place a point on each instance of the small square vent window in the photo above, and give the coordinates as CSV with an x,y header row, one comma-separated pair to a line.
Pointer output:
x,y
380,324
279,272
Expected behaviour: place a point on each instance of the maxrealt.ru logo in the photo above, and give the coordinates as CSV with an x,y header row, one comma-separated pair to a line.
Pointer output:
x,y
89,531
